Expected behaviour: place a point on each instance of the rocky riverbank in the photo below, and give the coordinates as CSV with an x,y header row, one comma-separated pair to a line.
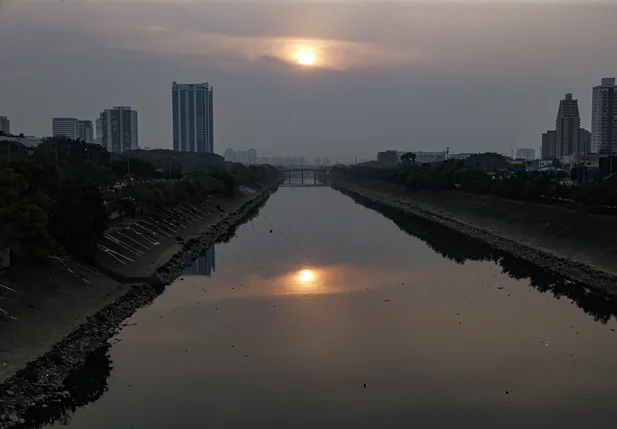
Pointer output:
x,y
522,236
41,383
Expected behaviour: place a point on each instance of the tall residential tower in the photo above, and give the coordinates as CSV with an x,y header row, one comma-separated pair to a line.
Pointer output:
x,y
193,117
567,127
120,129
604,117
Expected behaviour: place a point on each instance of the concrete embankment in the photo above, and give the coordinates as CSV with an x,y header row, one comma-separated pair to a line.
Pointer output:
x,y
568,242
56,314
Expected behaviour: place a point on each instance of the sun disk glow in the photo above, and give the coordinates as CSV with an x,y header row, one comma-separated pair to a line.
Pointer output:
x,y
306,58
306,276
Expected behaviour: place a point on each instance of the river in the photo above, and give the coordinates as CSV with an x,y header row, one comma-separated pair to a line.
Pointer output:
x,y
326,313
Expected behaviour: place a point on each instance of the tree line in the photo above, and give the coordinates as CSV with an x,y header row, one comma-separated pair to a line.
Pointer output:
x,y
470,175
58,197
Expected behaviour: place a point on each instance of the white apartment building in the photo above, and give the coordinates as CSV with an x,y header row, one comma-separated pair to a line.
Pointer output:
x,y
604,117
67,127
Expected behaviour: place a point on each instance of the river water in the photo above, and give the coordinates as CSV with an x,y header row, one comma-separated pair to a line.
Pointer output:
x,y
325,312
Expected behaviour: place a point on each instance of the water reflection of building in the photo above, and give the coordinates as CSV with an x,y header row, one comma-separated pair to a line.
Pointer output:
x,y
204,265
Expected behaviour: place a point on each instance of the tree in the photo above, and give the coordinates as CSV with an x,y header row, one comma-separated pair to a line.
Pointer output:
x,y
23,217
78,216
408,158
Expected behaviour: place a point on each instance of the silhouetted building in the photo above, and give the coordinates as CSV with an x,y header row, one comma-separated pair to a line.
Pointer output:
x,y
120,129
388,157
567,126
604,117
526,153
427,157
99,132
86,131
5,125
193,117
66,127
229,155
584,139
246,156
549,145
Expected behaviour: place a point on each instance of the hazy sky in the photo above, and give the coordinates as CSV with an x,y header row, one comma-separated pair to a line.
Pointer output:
x,y
401,75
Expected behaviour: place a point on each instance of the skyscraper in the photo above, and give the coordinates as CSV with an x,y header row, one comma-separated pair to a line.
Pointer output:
x,y
604,117
5,125
120,129
567,126
86,131
67,127
99,132
193,117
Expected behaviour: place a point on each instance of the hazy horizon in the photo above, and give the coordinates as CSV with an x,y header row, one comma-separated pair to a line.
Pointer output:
x,y
399,75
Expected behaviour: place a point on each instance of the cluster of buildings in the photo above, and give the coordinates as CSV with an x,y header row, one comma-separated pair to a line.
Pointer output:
x,y
296,161
572,144
250,157
242,156
118,128
391,157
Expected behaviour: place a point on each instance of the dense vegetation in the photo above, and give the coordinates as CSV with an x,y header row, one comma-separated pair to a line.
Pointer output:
x,y
59,197
469,175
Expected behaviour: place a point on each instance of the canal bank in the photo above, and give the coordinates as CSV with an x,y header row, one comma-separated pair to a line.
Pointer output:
x,y
363,318
59,313
569,243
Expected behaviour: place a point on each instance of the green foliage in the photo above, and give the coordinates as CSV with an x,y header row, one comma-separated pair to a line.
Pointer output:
x,y
78,216
408,158
600,196
59,195
23,217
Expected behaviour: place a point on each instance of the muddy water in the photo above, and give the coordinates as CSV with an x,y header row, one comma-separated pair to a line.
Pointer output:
x,y
325,312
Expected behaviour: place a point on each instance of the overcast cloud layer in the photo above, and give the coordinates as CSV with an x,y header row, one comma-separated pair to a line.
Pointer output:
x,y
421,76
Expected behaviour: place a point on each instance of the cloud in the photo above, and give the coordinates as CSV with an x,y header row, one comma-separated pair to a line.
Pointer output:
x,y
162,29
331,54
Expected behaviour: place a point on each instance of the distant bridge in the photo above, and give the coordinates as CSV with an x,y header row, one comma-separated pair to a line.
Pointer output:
x,y
317,173
304,185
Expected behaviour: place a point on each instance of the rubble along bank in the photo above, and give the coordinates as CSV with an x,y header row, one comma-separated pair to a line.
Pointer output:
x,y
571,244
40,383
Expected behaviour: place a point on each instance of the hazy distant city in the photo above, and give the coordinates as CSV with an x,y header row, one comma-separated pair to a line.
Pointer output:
x,y
193,124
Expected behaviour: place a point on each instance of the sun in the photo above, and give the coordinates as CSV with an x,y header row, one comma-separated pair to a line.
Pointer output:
x,y
306,276
306,58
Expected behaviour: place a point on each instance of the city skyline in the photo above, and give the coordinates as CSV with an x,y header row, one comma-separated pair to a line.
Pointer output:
x,y
370,90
